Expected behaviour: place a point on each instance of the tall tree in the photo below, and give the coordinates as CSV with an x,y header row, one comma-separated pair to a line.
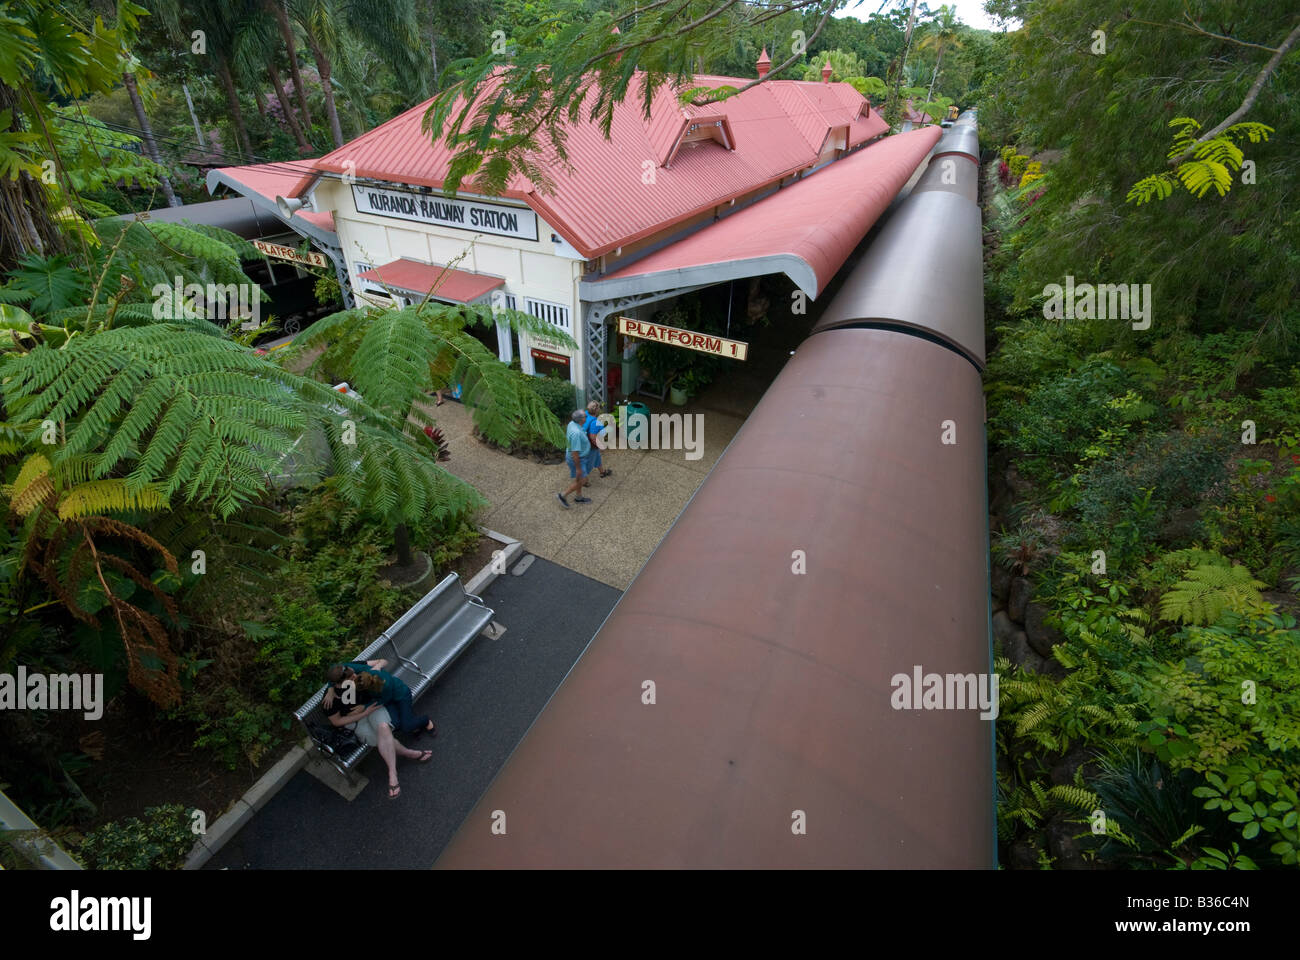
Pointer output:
x,y
281,18
255,52
319,21
43,51
943,34
146,131
1155,72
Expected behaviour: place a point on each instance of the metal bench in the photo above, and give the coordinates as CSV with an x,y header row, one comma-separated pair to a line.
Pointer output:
x,y
424,642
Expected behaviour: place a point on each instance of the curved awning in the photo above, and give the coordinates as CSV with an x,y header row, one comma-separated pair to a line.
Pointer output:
x,y
805,230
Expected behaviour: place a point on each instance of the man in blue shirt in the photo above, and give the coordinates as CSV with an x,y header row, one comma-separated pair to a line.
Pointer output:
x,y
577,448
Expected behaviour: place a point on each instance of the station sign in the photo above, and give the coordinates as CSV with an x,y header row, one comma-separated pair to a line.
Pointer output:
x,y
290,254
676,337
437,210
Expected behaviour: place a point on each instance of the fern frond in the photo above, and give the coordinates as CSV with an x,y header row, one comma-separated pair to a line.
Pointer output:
x,y
32,486
1208,591
108,496
1075,797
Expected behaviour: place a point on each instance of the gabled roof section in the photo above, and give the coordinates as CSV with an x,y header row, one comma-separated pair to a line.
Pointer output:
x,y
603,198
805,230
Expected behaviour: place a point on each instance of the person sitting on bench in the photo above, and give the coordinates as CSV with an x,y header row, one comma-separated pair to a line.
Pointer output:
x,y
357,704
394,694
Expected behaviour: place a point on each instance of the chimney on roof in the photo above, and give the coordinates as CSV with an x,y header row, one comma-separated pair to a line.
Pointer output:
x,y
826,72
764,64
617,56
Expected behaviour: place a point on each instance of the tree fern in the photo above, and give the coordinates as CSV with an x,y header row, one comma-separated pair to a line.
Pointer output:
x,y
108,496
1209,590
392,357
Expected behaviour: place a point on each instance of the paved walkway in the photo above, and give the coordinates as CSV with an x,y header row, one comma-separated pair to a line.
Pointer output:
x,y
611,537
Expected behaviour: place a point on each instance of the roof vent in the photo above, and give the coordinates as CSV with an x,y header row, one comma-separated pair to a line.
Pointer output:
x,y
764,64
826,72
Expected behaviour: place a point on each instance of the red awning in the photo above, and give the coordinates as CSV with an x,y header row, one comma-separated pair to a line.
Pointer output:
x,y
445,283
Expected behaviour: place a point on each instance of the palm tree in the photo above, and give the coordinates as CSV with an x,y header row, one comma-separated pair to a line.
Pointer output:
x,y
844,64
389,27
220,19
281,17
943,33
255,50
146,130
319,22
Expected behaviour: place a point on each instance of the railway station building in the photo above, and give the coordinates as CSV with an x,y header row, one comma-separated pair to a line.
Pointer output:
x,y
785,177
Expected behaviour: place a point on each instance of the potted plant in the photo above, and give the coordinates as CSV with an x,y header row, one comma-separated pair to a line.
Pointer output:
x,y
659,364
689,384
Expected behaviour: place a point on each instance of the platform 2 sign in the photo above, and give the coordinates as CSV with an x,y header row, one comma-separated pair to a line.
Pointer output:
x,y
290,254
676,337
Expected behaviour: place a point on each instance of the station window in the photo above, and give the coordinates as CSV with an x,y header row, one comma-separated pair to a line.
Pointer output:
x,y
553,313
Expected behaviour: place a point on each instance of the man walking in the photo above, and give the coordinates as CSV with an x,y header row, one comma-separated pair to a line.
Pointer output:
x,y
577,448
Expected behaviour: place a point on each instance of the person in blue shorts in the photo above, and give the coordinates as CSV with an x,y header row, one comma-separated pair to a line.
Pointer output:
x,y
594,428
577,449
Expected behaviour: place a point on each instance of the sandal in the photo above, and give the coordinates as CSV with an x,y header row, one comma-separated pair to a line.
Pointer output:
x,y
606,473
394,791
425,756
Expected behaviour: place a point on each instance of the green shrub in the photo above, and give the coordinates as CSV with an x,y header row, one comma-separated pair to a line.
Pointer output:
x,y
454,544
232,725
1124,501
301,639
161,841
1060,417
557,394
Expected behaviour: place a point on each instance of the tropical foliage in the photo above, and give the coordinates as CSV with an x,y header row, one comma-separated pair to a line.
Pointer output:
x,y
1146,477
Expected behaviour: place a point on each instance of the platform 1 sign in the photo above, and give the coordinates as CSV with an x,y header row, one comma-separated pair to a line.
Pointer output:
x,y
290,254
676,337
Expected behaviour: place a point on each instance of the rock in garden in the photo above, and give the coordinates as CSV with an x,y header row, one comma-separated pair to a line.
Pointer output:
x,y
1041,636
1021,591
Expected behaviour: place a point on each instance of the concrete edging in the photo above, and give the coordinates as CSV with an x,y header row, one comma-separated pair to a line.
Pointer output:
x,y
255,798
512,550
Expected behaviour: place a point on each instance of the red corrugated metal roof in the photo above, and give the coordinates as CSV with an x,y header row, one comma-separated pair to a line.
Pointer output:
x,y
818,220
272,180
602,200
421,278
